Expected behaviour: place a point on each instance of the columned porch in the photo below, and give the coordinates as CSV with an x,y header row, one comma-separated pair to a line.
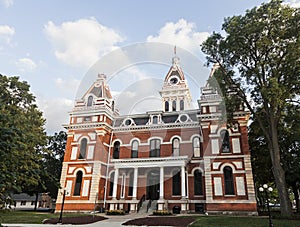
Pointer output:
x,y
148,180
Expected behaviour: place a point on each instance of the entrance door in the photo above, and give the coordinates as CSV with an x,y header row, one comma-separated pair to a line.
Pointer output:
x,y
153,185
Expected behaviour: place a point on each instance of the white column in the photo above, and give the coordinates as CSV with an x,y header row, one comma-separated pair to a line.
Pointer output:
x,y
183,193
135,176
115,184
161,183
187,184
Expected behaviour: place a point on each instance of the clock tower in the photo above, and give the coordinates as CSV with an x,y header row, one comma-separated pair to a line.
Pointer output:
x,y
175,92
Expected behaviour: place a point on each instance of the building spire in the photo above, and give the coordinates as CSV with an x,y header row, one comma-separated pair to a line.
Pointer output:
x,y
175,59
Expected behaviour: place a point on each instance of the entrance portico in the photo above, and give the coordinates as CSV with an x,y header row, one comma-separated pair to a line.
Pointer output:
x,y
153,185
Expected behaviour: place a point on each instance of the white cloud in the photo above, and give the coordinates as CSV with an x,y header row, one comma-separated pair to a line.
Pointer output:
x,y
6,32
294,3
7,3
81,42
26,65
182,34
69,85
55,112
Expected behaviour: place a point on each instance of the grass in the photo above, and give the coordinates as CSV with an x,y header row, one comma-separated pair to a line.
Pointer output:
x,y
228,221
30,217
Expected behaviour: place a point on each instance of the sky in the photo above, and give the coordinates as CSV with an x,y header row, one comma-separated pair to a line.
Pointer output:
x,y
59,47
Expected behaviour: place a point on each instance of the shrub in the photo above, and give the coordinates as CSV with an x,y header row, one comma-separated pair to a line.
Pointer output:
x,y
115,212
161,212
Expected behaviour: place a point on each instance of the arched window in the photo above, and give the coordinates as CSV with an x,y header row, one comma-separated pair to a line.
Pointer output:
x,y
134,149
166,106
78,182
155,120
83,146
111,183
196,146
174,105
228,180
155,148
90,101
198,183
181,104
225,141
176,147
176,184
116,152
130,189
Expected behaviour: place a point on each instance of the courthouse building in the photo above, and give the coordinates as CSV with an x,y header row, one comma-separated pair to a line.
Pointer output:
x,y
176,156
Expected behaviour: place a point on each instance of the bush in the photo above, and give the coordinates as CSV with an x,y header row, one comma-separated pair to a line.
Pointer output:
x,y
115,212
161,212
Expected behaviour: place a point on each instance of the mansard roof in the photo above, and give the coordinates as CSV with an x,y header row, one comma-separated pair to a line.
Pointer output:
x,y
145,119
99,88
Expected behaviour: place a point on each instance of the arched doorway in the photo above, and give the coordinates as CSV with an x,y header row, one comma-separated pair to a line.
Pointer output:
x,y
153,185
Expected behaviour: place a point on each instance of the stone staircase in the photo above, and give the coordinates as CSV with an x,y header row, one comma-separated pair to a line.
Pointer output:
x,y
153,207
143,209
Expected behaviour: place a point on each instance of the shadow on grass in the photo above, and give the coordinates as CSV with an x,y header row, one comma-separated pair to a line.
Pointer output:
x,y
75,220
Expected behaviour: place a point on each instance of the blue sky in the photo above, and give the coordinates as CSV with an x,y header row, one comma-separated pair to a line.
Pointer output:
x,y
53,43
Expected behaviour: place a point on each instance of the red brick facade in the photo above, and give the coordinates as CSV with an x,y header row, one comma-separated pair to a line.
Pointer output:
x,y
178,156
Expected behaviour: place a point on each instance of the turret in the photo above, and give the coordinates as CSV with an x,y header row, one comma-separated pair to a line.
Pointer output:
x,y
175,92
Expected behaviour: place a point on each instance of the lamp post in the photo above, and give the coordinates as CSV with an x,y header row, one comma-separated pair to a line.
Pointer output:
x,y
267,189
62,206
96,198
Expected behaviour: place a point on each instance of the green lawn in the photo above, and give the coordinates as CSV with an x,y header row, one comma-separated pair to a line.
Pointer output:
x,y
226,221
29,217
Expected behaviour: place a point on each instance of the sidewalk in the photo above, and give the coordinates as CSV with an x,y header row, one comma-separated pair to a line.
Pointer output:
x,y
112,221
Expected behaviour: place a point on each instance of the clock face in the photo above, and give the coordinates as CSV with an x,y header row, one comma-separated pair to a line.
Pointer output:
x,y
173,80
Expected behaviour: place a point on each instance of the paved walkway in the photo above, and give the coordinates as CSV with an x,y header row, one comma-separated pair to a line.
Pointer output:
x,y
112,221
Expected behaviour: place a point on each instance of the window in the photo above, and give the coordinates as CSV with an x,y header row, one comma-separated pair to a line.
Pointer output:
x,y
83,145
198,183
155,148
128,122
174,105
176,147
111,183
196,146
123,185
176,184
78,182
225,141
23,203
116,152
166,106
130,189
181,104
154,120
87,119
90,101
113,105
134,149
228,180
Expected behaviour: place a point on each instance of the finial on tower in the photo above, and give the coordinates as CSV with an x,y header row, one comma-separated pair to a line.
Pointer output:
x,y
175,59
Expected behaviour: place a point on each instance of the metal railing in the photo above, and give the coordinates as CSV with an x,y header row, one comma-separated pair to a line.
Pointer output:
x,y
149,204
139,205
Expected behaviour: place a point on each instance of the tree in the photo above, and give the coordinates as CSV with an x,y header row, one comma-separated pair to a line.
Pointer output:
x,y
259,59
53,161
50,167
290,149
21,136
289,142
